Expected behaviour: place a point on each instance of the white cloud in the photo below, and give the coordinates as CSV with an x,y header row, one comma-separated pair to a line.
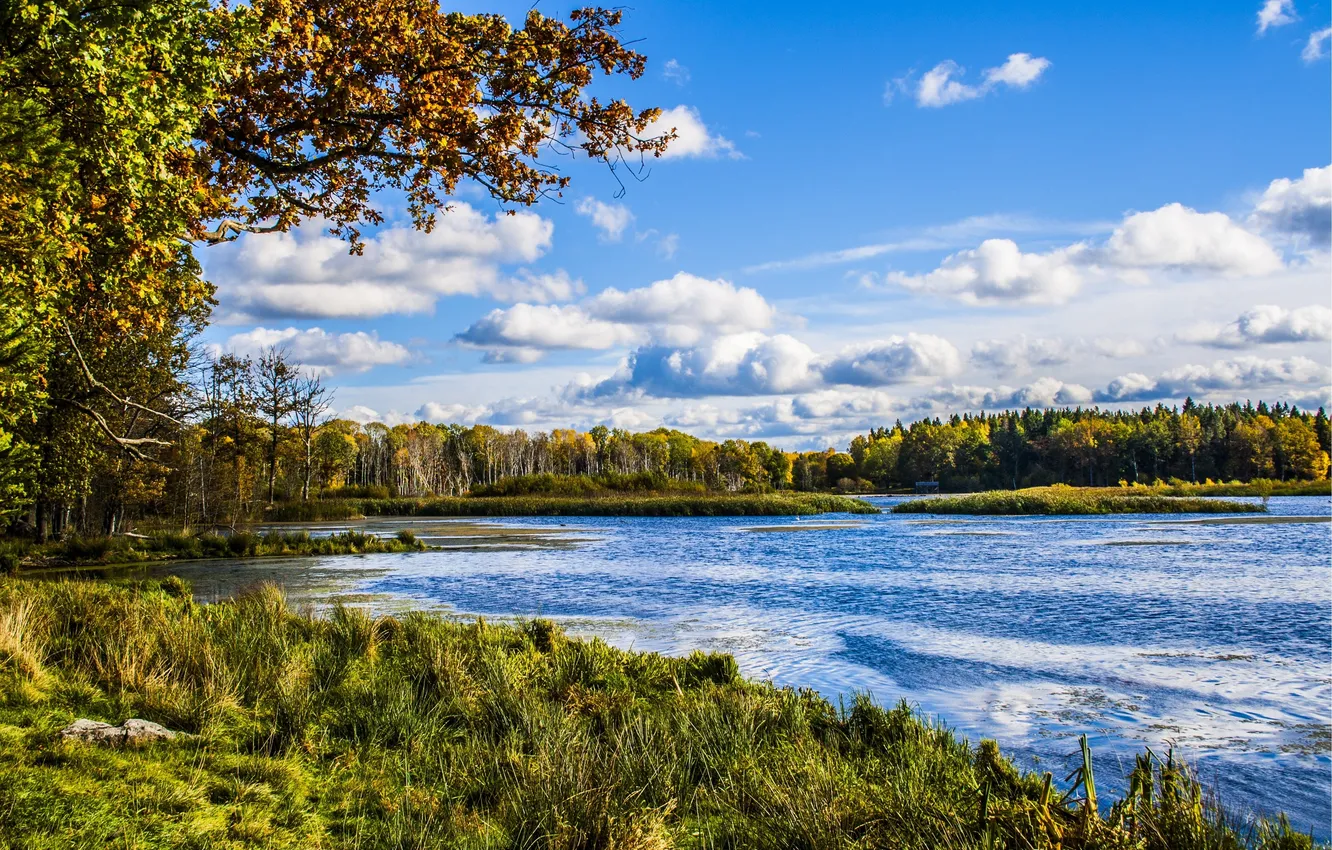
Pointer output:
x,y
942,86
1240,374
322,352
1043,392
692,137
684,307
892,361
442,414
754,363
551,326
1022,354
1008,356
675,72
1266,323
1171,238
1020,71
610,219
737,364
1301,209
1178,237
1275,13
998,271
305,273
677,311
1313,48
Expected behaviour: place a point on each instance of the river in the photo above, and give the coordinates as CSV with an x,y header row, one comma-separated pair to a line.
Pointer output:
x,y
1214,637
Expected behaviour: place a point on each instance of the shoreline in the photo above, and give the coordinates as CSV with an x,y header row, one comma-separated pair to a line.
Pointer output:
x,y
308,727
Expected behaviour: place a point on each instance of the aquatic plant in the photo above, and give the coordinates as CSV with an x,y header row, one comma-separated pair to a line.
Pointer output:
x,y
604,504
176,545
1062,500
419,731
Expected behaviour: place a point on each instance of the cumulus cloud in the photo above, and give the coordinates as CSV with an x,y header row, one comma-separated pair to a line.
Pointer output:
x,y
321,352
942,85
685,306
1266,323
998,271
1313,48
1177,237
1275,13
1301,209
1242,373
1171,238
758,364
307,274
548,326
892,361
677,311
1043,392
610,219
692,136
442,414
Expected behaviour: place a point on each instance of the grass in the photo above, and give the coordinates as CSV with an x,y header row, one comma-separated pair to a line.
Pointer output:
x,y
596,504
1257,487
166,546
1062,500
415,732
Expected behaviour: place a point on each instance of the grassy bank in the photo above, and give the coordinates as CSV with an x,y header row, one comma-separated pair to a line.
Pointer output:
x,y
597,504
1257,487
421,732
1061,500
167,546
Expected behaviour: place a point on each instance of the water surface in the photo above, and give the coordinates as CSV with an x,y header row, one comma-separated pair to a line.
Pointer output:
x,y
1211,637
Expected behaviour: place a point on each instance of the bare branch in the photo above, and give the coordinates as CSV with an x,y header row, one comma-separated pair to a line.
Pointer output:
x,y
99,386
129,444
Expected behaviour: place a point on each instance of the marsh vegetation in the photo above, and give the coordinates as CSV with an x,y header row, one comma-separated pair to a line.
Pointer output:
x,y
417,731
1066,501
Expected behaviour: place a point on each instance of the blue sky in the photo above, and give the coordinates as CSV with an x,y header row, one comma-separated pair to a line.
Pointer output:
x,y
873,211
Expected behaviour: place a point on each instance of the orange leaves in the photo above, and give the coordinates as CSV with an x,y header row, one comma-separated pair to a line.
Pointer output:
x,y
343,98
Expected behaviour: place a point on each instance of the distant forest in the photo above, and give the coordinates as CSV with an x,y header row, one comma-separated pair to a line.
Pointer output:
x,y
258,433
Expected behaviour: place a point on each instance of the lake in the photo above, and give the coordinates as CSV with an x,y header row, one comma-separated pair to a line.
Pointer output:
x,y
1211,636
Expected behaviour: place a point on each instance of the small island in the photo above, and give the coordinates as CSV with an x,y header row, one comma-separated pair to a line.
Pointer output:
x,y
1074,501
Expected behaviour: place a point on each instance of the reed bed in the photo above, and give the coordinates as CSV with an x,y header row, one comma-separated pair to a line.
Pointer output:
x,y
353,732
1064,501
165,546
598,504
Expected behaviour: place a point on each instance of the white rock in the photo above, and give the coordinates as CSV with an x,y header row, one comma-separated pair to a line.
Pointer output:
x,y
132,732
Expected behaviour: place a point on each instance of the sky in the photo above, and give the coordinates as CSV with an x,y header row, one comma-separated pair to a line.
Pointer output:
x,y
872,211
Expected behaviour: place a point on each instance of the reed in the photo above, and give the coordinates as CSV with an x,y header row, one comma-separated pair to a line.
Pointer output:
x,y
360,732
165,546
1061,500
607,503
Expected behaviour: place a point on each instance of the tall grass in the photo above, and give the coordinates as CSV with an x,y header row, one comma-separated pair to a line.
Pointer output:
x,y
1063,500
176,545
599,504
371,733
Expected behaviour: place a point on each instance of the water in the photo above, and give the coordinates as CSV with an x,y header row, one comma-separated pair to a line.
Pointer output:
x,y
1213,638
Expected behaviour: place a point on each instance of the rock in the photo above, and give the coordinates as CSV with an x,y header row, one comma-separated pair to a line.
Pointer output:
x,y
132,732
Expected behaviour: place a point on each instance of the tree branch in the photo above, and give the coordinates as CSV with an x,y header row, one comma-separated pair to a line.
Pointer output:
x,y
98,385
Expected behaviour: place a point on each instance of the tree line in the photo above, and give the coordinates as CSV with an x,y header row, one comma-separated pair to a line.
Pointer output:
x,y
258,432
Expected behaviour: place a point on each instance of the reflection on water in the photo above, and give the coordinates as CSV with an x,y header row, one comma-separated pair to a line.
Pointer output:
x,y
1211,636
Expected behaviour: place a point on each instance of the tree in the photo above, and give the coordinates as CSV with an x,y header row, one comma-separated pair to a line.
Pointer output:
x,y
275,389
1190,439
1297,447
125,127
311,401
